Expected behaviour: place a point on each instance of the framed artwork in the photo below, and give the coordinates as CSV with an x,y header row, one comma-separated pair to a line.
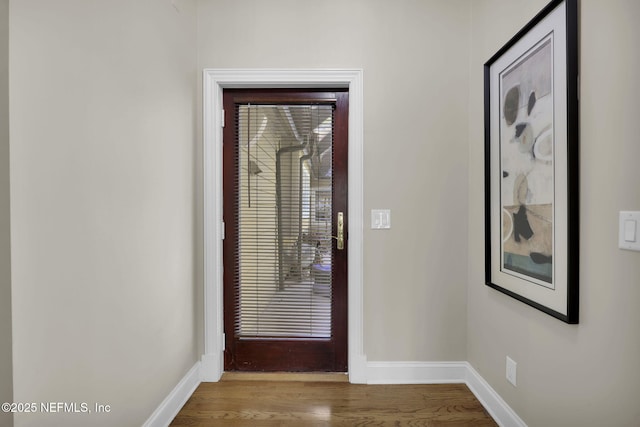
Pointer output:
x,y
531,163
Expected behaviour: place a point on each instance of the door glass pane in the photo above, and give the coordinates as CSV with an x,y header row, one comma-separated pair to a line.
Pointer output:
x,y
284,165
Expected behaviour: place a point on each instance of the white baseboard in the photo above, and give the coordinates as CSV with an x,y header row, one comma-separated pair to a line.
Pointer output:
x,y
373,373
493,403
445,372
415,372
171,405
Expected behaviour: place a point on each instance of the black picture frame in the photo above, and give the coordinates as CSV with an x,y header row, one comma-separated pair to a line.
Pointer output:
x,y
532,164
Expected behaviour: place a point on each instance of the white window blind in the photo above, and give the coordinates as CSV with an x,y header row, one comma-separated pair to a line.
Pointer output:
x,y
284,169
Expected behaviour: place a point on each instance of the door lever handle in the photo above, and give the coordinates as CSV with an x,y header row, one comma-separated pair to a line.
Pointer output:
x,y
340,229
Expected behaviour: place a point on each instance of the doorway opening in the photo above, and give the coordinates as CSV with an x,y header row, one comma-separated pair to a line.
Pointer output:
x,y
215,81
286,227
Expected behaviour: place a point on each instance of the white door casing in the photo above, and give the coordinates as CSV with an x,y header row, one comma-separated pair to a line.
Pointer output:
x,y
214,82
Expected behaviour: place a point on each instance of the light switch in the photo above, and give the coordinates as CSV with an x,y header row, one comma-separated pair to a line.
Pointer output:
x,y
380,219
628,233
630,230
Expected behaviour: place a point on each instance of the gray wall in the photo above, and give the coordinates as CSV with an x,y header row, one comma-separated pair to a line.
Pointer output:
x,y
6,376
102,187
582,375
415,60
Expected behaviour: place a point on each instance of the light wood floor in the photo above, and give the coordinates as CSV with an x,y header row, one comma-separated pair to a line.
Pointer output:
x,y
308,400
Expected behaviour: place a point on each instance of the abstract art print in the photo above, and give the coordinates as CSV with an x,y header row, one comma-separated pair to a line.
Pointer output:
x,y
526,164
531,164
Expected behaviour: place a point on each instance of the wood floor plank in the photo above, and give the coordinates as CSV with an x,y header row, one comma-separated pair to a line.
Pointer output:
x,y
309,403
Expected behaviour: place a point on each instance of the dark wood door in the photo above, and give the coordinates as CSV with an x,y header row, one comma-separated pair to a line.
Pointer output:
x,y
285,187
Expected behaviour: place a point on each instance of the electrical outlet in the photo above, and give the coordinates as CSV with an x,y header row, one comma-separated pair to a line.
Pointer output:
x,y
511,371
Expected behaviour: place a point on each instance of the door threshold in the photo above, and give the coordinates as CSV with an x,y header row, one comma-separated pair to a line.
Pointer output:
x,y
336,377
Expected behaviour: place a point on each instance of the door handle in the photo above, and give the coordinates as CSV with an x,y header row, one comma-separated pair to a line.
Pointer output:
x,y
340,230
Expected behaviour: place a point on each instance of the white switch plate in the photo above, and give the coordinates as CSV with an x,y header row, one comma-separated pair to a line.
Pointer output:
x,y
629,231
512,367
380,219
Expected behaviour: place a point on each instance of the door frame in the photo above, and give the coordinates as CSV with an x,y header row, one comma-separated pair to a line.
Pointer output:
x,y
214,82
